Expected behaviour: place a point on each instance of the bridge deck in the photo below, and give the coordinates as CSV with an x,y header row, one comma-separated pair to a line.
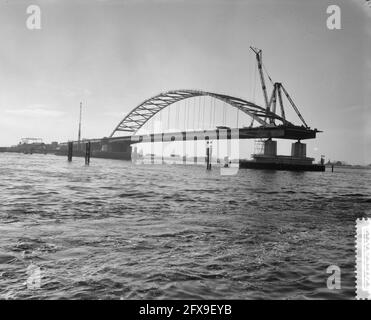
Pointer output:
x,y
278,132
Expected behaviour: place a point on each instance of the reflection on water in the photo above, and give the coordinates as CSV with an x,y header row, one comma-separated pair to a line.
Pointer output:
x,y
116,230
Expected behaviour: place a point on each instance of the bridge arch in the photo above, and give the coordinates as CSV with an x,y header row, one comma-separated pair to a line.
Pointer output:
x,y
136,118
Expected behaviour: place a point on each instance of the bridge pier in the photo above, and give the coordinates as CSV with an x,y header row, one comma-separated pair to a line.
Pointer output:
x,y
195,150
184,136
208,153
298,150
70,151
87,152
270,148
297,161
208,161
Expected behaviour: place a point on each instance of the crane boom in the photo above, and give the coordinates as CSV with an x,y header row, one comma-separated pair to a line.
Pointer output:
x,y
294,106
281,102
258,53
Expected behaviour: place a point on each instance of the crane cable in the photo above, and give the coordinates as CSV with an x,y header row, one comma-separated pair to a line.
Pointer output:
x,y
224,114
266,72
161,121
255,80
195,113
238,112
188,107
199,112
168,118
177,115
214,113
185,109
203,111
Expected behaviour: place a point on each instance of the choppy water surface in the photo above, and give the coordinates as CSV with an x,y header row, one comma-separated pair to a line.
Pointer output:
x,y
116,230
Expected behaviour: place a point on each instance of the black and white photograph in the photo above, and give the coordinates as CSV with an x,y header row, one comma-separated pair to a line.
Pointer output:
x,y
185,150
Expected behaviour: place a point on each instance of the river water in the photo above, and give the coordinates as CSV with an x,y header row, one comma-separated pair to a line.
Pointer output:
x,y
116,230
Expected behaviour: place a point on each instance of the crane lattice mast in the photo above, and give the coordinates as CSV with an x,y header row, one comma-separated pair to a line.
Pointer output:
x,y
259,54
276,93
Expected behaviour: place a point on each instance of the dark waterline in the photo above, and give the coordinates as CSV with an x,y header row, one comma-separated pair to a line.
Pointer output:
x,y
116,230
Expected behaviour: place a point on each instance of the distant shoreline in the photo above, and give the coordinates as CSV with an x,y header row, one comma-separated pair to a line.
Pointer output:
x,y
349,166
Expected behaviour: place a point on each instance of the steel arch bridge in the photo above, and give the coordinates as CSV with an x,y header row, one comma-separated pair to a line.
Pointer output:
x,y
150,107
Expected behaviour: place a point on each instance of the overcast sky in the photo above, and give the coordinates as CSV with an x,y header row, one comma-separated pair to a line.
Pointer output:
x,y
114,54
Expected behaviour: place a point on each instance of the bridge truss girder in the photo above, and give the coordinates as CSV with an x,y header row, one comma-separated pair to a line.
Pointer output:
x,y
150,107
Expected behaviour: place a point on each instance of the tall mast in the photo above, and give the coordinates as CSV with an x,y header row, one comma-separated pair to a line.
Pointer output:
x,y
79,135
259,54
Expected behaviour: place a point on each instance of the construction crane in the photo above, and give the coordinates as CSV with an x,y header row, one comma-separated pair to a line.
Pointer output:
x,y
276,93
